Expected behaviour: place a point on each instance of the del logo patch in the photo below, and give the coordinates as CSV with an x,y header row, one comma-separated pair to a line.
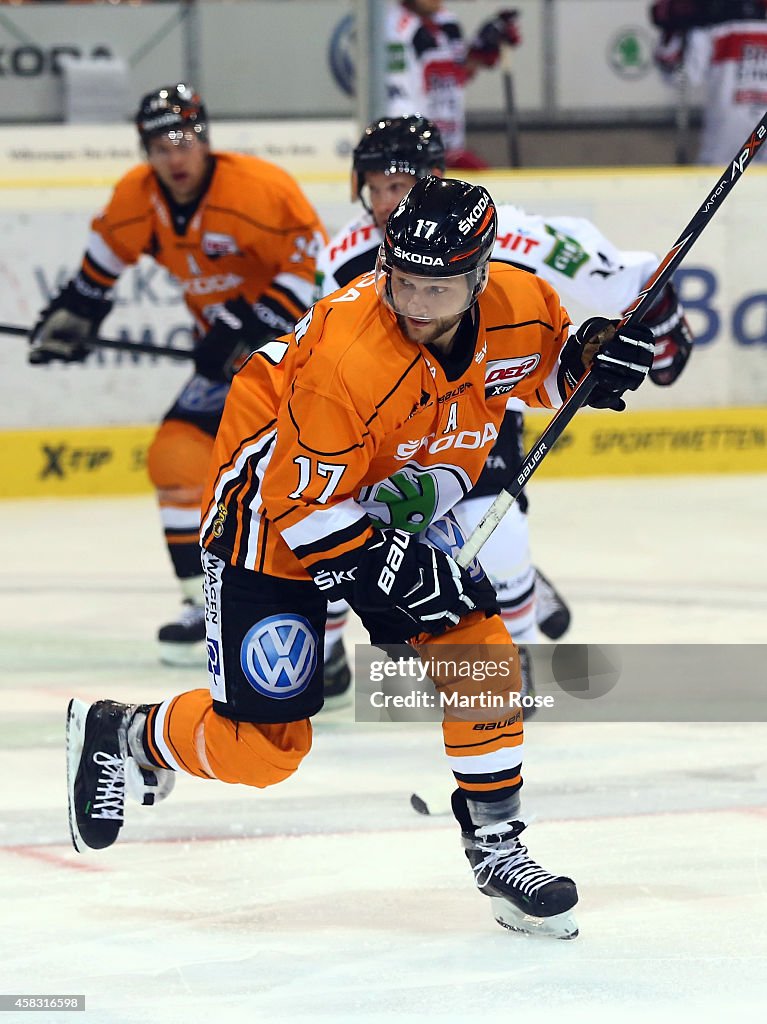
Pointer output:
x,y
503,375
214,245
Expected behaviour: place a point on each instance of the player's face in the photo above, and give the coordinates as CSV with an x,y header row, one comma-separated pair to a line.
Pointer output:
x,y
428,310
384,193
180,161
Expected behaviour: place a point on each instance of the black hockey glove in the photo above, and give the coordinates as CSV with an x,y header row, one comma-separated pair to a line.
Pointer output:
x,y
234,334
619,361
401,588
673,337
77,313
502,30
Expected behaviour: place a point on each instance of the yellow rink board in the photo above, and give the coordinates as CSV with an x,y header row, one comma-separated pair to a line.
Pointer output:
x,y
112,460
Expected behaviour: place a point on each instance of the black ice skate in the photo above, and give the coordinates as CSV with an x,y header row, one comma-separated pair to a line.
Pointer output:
x,y
100,770
337,689
552,616
523,896
183,642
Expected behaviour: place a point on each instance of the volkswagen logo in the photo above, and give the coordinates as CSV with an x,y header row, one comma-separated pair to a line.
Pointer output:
x,y
446,535
279,655
341,54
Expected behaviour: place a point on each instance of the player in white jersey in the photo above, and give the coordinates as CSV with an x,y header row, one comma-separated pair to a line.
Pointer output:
x,y
722,44
429,64
582,265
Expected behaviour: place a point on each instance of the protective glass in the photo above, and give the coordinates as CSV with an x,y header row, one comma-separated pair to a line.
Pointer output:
x,y
427,298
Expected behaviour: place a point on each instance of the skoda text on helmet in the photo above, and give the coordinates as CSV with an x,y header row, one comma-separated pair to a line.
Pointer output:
x,y
173,110
441,234
397,145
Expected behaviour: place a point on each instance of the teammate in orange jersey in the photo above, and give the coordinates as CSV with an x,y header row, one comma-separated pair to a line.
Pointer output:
x,y
341,451
241,238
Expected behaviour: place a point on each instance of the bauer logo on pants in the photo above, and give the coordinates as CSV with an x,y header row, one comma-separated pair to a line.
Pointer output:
x,y
279,655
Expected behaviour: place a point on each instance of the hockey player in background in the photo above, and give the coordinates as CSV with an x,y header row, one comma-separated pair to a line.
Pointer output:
x,y
299,509
241,239
568,252
429,64
721,44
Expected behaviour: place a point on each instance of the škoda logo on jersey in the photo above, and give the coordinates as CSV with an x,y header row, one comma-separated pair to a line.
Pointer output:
x,y
215,245
503,375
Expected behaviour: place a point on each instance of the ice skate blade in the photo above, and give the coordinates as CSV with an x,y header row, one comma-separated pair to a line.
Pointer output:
x,y
560,926
77,712
183,655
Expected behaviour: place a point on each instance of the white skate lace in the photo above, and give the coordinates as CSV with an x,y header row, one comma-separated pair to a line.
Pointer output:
x,y
110,788
509,861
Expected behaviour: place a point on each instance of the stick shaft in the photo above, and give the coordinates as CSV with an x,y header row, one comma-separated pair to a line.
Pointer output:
x,y
118,344
510,111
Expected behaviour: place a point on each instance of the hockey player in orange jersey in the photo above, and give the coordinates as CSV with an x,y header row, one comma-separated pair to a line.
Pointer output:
x,y
241,239
342,449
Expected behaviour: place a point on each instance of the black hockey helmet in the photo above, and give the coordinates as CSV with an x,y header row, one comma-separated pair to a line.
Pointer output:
x,y
443,229
397,145
169,110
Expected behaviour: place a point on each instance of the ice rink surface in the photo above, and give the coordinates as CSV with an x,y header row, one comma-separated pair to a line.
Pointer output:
x,y
327,898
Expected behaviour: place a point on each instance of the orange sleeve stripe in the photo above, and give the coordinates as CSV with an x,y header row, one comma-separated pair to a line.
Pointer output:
x,y
340,550
97,274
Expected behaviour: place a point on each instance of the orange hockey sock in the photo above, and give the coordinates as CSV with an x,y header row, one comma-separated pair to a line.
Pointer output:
x,y
186,734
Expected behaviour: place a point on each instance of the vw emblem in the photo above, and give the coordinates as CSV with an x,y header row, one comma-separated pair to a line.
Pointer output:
x,y
341,54
279,655
446,535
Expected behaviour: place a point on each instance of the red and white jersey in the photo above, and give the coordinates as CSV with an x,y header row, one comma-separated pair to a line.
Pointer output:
x,y
426,71
569,252
348,254
730,59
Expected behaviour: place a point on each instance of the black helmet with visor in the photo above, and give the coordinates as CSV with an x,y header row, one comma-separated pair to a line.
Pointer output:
x,y
411,144
438,243
174,111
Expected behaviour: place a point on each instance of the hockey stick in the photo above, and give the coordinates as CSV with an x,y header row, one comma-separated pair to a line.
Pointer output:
x,y
119,344
650,292
510,110
682,117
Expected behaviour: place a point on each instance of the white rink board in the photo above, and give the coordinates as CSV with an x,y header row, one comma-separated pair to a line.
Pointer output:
x,y
43,230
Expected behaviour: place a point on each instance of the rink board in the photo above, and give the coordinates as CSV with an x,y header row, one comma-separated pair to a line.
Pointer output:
x,y
81,461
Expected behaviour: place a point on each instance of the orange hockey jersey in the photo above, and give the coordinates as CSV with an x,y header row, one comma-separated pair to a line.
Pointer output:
x,y
347,424
253,234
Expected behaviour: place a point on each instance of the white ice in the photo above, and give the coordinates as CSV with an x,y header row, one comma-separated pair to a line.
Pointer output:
x,y
327,898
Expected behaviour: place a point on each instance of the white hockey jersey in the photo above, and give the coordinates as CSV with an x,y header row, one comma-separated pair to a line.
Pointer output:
x,y
426,70
731,60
